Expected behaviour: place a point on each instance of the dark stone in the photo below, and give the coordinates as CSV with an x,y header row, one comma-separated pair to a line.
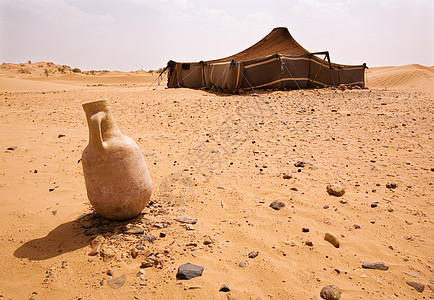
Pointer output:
x,y
140,247
12,148
374,204
299,164
418,286
253,254
148,237
163,234
61,135
146,264
356,226
277,205
118,282
375,265
224,288
391,185
330,292
188,271
304,229
287,176
150,261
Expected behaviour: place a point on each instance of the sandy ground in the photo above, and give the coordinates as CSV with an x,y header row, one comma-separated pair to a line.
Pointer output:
x,y
221,159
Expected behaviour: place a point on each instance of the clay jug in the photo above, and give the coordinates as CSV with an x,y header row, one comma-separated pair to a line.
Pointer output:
x,y
116,176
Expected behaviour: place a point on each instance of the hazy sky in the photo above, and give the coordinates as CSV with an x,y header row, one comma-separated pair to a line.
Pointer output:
x,y
144,34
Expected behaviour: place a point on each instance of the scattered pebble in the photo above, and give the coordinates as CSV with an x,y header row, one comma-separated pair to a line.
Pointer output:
x,y
253,254
189,227
375,265
188,271
224,288
242,264
186,219
277,205
141,274
118,282
391,185
163,234
208,240
158,225
304,229
96,245
149,238
287,176
308,243
356,226
374,204
134,229
150,261
140,247
412,274
116,237
299,164
192,287
332,239
134,252
418,286
335,190
107,254
330,292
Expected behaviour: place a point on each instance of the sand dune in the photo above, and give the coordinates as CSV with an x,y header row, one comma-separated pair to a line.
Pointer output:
x,y
15,84
222,159
33,78
410,77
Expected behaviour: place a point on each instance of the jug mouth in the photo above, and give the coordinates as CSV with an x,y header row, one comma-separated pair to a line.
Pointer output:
x,y
95,104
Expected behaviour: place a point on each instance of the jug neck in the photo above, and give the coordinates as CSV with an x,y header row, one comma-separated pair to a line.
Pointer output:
x,y
100,121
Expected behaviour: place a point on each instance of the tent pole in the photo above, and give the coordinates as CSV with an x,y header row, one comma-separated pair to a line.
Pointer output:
x,y
157,77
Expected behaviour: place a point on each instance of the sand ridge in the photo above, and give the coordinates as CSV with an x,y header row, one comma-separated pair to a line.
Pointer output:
x,y
222,159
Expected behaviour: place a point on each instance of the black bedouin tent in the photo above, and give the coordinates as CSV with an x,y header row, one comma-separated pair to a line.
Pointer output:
x,y
275,62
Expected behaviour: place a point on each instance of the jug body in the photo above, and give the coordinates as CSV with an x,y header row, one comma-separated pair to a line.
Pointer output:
x,y
117,179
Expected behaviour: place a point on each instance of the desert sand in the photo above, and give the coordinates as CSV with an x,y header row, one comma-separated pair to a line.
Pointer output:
x,y
222,159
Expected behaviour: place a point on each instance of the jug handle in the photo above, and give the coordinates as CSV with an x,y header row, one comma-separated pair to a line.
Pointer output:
x,y
97,141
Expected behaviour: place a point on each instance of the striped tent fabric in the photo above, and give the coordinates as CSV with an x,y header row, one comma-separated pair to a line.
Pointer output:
x,y
275,62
